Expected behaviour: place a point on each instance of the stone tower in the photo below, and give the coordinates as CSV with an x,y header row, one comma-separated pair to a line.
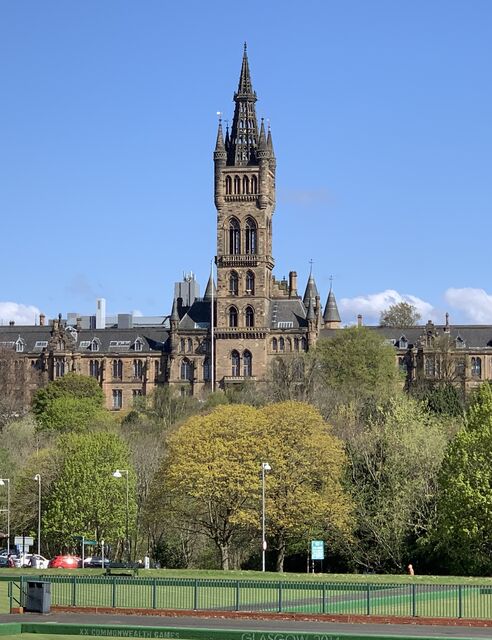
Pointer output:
x,y
245,202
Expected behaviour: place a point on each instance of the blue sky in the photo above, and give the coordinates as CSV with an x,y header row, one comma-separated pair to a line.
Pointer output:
x,y
381,121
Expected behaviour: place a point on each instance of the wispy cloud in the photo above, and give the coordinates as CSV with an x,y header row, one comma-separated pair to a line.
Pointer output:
x,y
304,197
475,304
80,286
371,305
19,313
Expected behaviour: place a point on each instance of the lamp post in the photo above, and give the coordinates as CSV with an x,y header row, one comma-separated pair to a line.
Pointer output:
x,y
3,482
37,477
264,468
119,474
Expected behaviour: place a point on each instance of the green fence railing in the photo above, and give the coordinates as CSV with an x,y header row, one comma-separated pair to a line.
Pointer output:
x,y
285,596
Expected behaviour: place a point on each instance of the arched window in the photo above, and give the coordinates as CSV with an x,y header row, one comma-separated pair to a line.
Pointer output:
x,y
304,344
476,367
254,184
235,364
250,235
234,237
94,368
403,343
206,370
250,317
186,369
296,344
281,344
156,369
247,364
228,185
182,345
59,368
19,345
138,345
288,342
274,344
189,346
95,344
234,283
250,283
430,366
232,317
137,369
117,369
237,185
245,184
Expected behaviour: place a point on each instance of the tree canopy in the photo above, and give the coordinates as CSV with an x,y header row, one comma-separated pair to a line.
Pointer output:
x,y
401,314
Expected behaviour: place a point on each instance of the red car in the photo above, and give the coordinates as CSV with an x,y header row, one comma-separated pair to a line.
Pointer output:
x,y
64,562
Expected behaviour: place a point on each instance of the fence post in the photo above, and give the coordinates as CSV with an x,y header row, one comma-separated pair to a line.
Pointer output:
x,y
280,597
237,595
195,596
323,608
154,594
368,599
460,601
113,593
22,598
414,600
74,591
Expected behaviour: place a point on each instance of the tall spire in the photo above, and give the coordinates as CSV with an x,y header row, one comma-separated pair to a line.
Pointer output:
x,y
270,142
311,291
210,289
220,150
244,130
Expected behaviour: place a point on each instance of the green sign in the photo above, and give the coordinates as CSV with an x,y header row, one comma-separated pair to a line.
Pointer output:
x,y
317,550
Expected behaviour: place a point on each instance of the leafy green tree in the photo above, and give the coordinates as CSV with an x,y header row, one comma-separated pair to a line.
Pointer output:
x,y
395,458
401,314
72,402
357,363
85,498
210,474
305,492
462,532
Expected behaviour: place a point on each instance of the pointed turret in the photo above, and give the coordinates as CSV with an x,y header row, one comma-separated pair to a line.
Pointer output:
x,y
262,142
270,143
310,316
311,291
244,131
331,316
174,312
220,150
211,289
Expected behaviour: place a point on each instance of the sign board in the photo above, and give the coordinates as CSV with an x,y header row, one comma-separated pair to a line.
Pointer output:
x,y
24,541
317,550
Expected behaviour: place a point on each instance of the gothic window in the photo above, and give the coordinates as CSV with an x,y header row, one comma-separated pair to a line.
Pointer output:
x,y
254,184
95,344
232,317
117,369
137,369
59,368
430,367
235,364
403,343
237,185
304,344
156,369
234,283
206,370
247,364
19,345
296,344
289,344
228,185
402,364
250,283
476,367
245,184
274,344
117,398
250,317
189,347
234,237
94,368
136,394
250,235
186,370
138,344
182,344
281,344
460,368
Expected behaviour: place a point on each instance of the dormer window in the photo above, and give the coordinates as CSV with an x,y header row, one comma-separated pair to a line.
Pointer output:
x,y
19,345
460,343
403,342
138,345
95,344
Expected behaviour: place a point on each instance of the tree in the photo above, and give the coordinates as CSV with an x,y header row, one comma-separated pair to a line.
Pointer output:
x,y
401,314
85,499
72,402
305,492
210,473
395,458
462,531
357,364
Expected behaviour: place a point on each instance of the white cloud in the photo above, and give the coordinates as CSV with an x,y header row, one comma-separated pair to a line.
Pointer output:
x,y
19,313
371,305
475,304
136,313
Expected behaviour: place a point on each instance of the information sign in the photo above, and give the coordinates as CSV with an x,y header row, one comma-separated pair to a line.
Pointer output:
x,y
317,550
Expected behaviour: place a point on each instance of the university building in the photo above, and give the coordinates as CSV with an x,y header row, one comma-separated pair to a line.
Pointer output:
x,y
243,321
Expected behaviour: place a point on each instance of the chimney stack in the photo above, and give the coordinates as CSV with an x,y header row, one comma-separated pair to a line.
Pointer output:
x,y
101,313
11,323
292,284
359,320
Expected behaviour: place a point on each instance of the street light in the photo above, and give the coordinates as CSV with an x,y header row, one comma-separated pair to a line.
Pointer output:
x,y
264,467
37,477
3,482
119,474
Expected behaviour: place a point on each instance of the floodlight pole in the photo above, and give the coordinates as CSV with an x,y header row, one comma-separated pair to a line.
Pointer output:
x,y
37,477
264,467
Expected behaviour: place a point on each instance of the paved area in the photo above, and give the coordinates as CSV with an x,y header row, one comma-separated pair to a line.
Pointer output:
x,y
372,631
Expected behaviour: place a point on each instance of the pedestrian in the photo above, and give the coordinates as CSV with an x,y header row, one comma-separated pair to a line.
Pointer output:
x,y
410,570
10,561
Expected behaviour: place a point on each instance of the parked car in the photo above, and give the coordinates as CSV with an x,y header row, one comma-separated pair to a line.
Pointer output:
x,y
35,561
4,561
64,562
96,562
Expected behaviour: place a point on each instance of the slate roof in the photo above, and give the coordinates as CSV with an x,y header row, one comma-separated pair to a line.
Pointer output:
x,y
287,314
473,336
197,316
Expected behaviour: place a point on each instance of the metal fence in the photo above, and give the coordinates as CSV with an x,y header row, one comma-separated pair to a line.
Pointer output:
x,y
285,596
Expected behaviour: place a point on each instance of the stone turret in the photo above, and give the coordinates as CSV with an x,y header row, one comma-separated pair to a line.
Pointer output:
x,y
331,317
